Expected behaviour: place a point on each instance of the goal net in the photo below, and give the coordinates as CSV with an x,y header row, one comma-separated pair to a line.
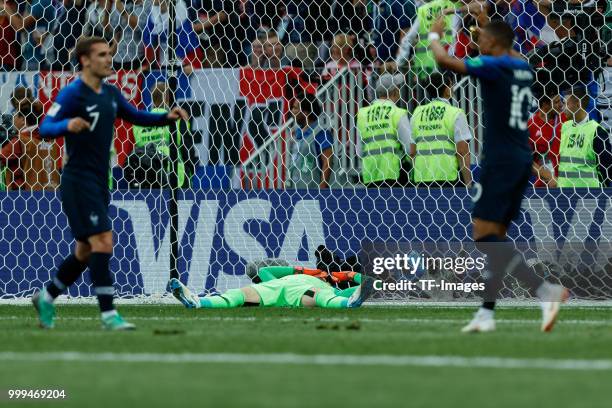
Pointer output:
x,y
271,163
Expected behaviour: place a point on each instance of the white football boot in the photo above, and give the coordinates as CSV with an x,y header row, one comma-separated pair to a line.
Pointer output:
x,y
552,295
483,321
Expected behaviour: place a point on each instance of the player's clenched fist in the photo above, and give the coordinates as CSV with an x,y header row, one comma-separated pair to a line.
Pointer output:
x,y
77,125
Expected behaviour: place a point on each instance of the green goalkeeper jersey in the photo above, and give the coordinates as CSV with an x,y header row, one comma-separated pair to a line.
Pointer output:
x,y
288,290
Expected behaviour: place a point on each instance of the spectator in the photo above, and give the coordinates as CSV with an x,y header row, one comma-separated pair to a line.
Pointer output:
x,y
351,17
465,45
341,55
101,21
528,23
267,52
607,32
21,95
524,17
307,26
500,10
389,21
264,15
68,28
221,25
585,155
12,176
567,32
22,98
311,160
33,52
604,101
273,52
11,21
545,138
548,32
155,36
128,36
39,23
25,117
257,58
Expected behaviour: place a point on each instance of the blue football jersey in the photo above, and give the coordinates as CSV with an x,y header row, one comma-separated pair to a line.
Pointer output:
x,y
507,101
89,151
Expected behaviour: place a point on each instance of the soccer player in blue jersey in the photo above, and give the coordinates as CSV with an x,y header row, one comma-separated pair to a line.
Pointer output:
x,y
84,113
506,81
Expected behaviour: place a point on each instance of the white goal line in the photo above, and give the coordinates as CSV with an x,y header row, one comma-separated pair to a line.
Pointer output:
x,y
316,359
416,320
168,299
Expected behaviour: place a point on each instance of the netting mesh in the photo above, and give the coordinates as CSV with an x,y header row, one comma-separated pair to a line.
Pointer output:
x,y
271,163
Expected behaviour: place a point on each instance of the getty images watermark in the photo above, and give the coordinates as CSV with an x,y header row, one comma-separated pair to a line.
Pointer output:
x,y
406,271
460,270
443,271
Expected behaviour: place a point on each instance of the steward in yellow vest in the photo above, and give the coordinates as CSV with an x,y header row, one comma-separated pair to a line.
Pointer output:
x,y
159,137
385,134
441,137
585,155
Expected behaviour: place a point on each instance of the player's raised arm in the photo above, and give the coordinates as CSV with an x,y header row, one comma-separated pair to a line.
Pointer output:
x,y
440,54
126,111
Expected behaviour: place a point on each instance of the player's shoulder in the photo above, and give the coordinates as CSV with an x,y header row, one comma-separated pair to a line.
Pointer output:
x,y
517,62
500,60
110,89
66,99
70,90
510,63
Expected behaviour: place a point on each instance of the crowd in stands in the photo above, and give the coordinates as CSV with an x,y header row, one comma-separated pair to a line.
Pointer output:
x,y
374,35
40,34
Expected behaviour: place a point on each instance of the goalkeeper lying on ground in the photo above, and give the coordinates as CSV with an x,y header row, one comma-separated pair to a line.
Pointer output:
x,y
286,286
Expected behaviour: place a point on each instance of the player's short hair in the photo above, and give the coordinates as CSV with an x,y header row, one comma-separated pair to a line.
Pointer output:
x,y
502,32
310,105
83,47
435,84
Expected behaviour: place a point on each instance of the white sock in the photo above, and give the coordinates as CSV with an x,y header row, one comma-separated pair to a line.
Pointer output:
x,y
109,313
486,312
46,296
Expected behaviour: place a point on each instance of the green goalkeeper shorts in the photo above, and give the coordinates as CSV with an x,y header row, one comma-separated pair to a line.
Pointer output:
x,y
288,290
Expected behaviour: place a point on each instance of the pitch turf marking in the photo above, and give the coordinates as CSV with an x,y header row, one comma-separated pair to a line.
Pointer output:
x,y
317,359
590,322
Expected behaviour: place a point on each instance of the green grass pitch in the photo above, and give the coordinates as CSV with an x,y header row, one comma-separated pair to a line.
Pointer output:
x,y
397,357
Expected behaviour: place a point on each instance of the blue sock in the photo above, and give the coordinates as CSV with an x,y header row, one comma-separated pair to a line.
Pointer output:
x,y
495,278
67,273
102,280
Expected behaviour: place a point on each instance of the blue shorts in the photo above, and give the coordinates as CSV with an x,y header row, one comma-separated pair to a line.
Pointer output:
x,y
86,207
500,192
